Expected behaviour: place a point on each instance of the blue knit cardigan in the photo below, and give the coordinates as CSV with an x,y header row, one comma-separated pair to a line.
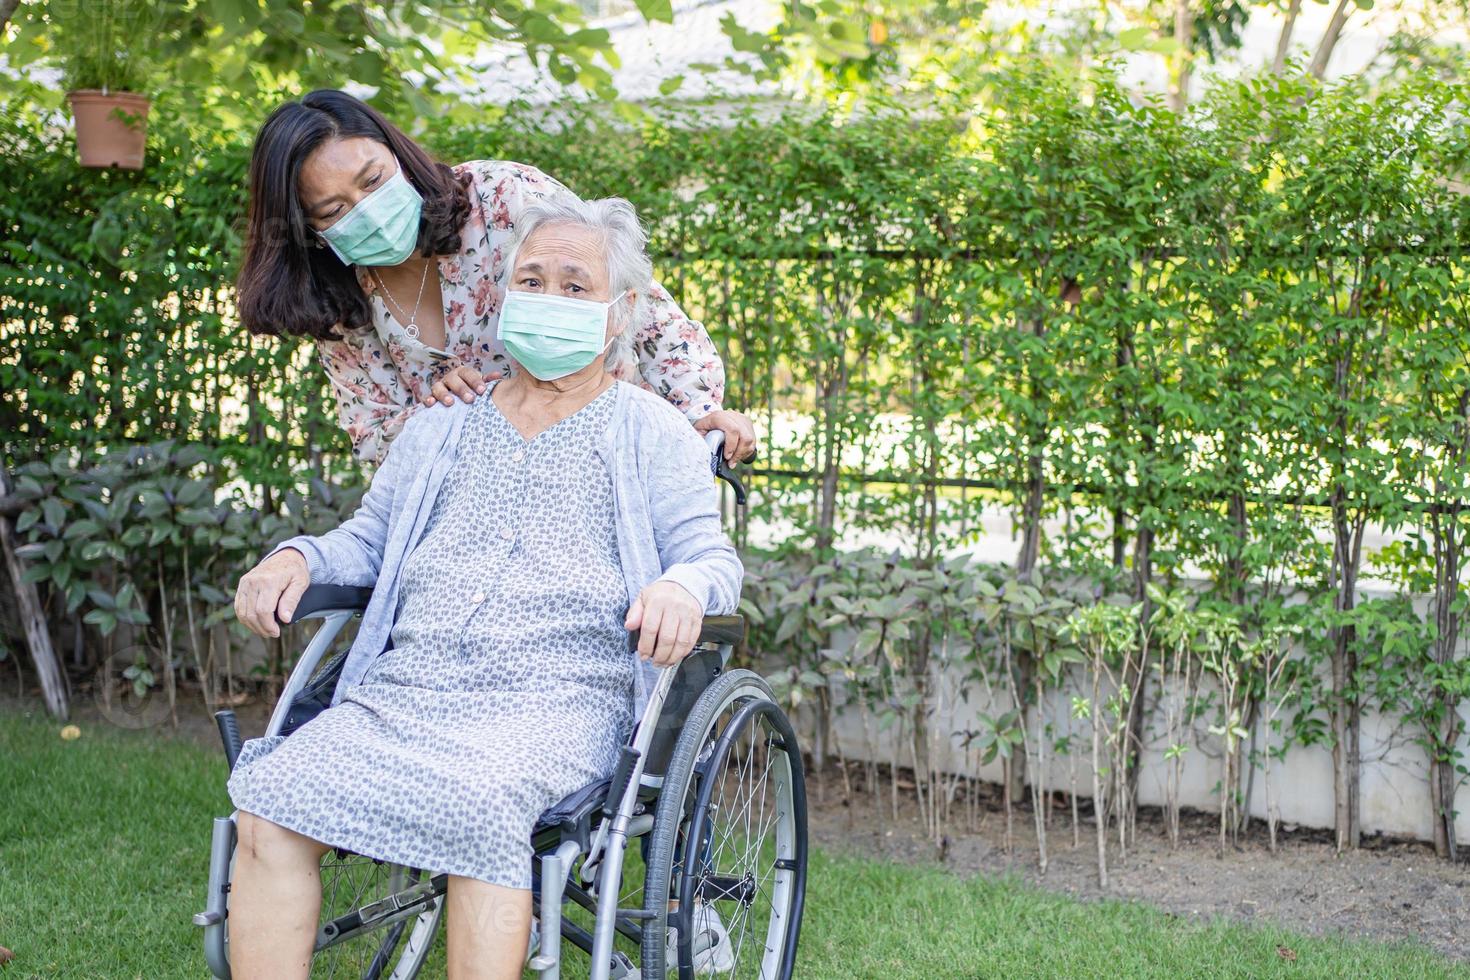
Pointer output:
x,y
665,501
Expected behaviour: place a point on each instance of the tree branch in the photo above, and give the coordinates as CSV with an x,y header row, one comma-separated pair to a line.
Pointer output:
x,y
7,10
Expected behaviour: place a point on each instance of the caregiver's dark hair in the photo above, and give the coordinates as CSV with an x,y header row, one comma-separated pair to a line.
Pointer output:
x,y
289,282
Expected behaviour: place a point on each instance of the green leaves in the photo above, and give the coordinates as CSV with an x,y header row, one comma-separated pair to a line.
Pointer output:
x,y
154,539
1159,343
657,10
230,55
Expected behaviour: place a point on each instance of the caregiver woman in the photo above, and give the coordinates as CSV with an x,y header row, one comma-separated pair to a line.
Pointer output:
x,y
357,238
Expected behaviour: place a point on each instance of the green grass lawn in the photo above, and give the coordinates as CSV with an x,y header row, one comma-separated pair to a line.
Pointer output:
x,y
104,846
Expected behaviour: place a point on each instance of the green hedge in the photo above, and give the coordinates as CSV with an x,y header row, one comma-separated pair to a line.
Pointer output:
x,y
1198,341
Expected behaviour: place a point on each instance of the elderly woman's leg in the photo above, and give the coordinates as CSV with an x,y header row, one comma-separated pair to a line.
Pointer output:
x,y
275,900
489,926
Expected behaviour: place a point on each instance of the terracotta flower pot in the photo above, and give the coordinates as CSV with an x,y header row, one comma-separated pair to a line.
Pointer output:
x,y
105,136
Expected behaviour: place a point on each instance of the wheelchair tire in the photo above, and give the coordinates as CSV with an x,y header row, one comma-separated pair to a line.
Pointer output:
x,y
735,783
392,948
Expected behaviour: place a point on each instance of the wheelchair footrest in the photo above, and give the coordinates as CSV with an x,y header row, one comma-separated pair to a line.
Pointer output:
x,y
401,904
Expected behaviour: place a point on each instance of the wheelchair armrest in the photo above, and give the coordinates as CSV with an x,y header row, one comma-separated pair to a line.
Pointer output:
x,y
722,630
331,598
718,630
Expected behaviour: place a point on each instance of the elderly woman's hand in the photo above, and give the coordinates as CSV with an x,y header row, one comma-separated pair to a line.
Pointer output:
x,y
740,442
272,589
463,381
668,619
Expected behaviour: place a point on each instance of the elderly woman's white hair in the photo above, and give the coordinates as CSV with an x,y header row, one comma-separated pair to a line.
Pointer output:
x,y
624,248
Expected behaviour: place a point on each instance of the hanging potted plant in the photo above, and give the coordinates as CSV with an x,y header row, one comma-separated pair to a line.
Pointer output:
x,y
100,47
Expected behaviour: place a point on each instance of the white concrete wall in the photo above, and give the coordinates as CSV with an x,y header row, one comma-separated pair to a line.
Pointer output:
x,y
1395,790
1394,774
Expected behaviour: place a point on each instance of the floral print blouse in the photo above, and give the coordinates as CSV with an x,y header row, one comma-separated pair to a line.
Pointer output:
x,y
382,374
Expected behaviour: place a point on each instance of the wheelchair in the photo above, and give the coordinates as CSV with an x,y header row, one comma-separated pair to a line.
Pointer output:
x,y
710,785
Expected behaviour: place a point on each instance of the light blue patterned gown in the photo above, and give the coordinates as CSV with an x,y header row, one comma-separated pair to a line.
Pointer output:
x,y
509,681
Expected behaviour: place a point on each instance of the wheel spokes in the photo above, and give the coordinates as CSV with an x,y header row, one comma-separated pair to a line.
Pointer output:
x,y
740,860
349,883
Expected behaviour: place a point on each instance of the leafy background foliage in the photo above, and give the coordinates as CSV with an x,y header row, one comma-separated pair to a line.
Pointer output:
x,y
1217,346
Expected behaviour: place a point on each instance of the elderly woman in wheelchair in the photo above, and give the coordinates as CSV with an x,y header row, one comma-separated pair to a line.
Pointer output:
x,y
478,730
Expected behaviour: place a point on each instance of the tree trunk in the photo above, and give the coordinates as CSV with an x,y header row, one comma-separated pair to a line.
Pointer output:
x,y
32,617
1030,553
1135,678
1183,55
1245,768
831,458
1445,734
1448,537
1119,535
832,383
1035,478
1442,780
1348,522
1283,44
1346,711
7,10
1330,37
1099,810
1240,533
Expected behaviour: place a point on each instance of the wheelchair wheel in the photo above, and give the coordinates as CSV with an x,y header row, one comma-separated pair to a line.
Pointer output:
x,y
729,836
377,919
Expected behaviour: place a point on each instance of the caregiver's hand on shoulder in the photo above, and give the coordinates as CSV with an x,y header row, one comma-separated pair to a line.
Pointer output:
x,y
668,620
272,589
464,381
740,441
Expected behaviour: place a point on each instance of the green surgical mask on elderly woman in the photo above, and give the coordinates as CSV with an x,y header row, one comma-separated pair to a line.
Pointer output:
x,y
382,228
553,336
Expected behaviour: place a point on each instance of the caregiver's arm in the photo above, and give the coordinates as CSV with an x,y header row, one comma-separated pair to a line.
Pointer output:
x,y
371,401
676,358
350,554
678,361
702,573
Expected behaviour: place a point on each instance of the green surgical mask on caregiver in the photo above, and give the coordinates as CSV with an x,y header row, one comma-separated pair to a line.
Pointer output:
x,y
553,336
382,228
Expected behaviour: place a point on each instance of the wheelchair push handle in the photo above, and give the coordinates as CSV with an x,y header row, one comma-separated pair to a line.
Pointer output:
x,y
715,439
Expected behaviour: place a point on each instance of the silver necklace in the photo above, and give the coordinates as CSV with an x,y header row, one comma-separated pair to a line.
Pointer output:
x,y
412,326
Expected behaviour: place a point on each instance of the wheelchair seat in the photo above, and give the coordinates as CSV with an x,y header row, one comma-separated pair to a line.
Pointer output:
x,y
574,803
571,818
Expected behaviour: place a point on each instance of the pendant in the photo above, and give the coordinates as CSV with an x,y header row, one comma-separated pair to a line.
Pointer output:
x,y
412,329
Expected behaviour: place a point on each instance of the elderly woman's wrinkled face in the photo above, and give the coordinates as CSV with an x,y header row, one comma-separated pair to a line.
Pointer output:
x,y
563,260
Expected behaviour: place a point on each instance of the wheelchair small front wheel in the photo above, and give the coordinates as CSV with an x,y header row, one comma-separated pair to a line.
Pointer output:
x,y
727,860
